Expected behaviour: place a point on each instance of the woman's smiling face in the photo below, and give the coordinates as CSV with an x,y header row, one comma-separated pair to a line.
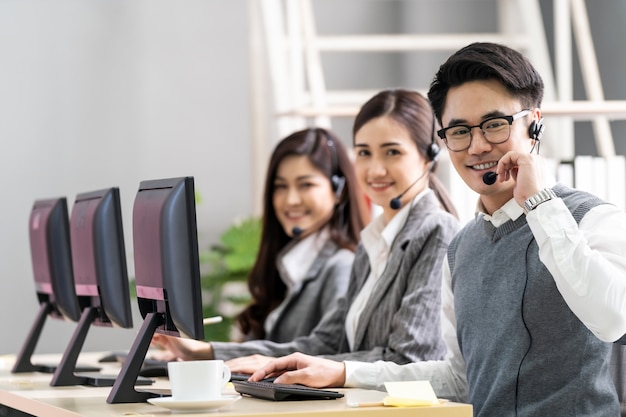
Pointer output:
x,y
388,163
303,195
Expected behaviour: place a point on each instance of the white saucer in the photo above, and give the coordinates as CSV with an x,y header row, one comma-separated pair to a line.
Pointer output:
x,y
193,405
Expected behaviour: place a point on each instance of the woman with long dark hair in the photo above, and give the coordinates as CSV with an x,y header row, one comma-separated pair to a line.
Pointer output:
x,y
313,213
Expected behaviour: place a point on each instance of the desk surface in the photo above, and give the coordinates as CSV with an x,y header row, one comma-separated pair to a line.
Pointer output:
x,y
31,393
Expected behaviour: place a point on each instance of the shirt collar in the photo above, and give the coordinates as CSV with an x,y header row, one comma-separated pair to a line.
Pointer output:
x,y
371,235
509,211
297,261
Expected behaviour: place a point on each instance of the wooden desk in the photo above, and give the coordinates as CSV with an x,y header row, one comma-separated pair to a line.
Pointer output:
x,y
32,394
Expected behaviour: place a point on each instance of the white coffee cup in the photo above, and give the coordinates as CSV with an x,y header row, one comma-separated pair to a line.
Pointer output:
x,y
197,380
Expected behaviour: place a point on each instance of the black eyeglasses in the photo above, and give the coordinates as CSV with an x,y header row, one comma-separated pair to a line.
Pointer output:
x,y
495,130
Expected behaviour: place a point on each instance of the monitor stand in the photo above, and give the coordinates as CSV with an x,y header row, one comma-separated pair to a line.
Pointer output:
x,y
123,390
65,373
23,361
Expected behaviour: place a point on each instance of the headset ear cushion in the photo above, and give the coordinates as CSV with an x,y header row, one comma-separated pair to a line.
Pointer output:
x,y
535,130
433,151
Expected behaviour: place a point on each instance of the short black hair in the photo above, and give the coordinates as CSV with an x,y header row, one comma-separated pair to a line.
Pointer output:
x,y
487,61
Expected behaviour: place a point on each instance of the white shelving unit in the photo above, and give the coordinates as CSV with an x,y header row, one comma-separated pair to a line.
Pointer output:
x,y
289,83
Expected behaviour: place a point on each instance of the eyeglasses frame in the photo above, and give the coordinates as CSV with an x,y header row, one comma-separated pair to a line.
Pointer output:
x,y
510,119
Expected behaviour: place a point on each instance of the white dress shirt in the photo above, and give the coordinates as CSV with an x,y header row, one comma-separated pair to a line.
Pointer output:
x,y
588,263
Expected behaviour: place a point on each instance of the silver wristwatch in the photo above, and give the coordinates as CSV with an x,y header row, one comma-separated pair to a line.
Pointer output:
x,y
541,197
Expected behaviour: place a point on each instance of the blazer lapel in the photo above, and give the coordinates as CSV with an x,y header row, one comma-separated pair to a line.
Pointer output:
x,y
326,252
361,268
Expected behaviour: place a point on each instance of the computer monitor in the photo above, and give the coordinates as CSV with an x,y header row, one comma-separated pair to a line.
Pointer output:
x,y
100,277
167,274
51,260
99,257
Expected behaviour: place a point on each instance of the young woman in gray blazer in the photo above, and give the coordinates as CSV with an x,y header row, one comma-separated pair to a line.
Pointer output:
x,y
392,308
310,189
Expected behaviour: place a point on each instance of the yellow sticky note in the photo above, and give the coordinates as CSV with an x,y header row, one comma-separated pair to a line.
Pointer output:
x,y
410,393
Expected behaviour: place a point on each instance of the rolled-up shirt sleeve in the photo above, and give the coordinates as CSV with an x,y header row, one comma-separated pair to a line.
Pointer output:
x,y
587,261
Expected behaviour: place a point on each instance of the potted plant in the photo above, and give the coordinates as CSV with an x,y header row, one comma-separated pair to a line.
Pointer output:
x,y
225,267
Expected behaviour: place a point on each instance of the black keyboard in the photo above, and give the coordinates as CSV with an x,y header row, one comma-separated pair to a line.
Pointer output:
x,y
238,376
283,392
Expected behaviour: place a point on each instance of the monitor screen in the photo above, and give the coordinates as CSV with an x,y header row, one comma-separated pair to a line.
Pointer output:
x,y
99,257
167,274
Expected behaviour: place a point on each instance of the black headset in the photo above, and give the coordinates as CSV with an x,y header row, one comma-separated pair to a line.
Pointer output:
x,y
535,130
433,149
337,181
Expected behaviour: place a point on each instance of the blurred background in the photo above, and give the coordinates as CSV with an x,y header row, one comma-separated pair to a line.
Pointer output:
x,y
101,93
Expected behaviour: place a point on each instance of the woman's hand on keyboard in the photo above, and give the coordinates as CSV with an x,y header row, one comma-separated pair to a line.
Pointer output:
x,y
248,364
298,368
176,348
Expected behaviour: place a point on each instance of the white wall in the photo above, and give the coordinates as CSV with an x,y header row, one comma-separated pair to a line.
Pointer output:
x,y
96,94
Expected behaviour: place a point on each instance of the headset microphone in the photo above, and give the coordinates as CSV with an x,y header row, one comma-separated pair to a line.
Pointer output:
x,y
490,178
297,231
395,203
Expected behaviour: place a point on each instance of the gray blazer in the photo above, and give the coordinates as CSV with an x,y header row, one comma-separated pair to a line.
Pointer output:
x,y
400,322
325,283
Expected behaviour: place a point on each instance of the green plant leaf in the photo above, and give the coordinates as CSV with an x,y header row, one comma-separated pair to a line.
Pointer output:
x,y
229,261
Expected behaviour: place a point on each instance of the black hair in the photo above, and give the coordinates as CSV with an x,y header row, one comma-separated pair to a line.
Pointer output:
x,y
487,61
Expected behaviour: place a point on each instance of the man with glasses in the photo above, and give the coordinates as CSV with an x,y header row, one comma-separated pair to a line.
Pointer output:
x,y
535,289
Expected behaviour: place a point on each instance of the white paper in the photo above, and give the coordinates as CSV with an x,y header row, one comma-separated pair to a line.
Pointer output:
x,y
420,391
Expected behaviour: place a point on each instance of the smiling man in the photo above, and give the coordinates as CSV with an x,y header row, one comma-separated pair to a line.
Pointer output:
x,y
535,289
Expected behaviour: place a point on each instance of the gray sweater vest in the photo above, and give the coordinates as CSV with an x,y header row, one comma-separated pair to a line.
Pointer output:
x,y
526,353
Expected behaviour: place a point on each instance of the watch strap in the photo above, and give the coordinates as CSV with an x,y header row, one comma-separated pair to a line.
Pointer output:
x,y
542,196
